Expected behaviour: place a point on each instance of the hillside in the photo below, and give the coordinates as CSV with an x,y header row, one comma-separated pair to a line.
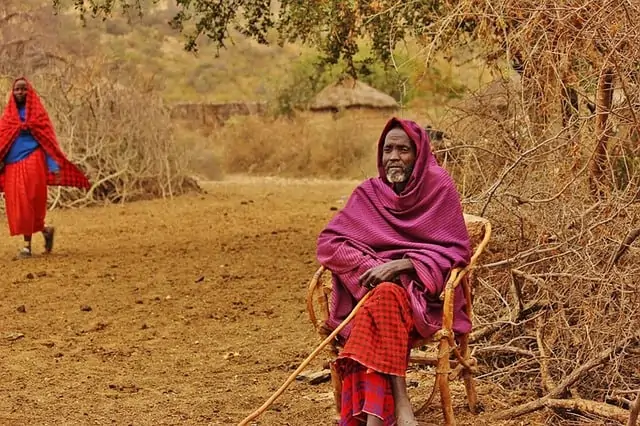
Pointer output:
x,y
246,70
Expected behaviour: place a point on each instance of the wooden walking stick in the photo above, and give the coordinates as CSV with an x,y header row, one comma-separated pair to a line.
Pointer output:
x,y
306,362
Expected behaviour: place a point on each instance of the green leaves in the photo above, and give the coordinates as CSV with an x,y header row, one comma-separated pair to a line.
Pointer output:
x,y
334,26
102,8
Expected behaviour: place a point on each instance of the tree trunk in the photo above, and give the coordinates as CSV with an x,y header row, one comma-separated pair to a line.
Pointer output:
x,y
598,166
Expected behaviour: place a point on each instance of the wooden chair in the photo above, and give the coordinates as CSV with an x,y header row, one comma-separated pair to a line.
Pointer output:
x,y
453,355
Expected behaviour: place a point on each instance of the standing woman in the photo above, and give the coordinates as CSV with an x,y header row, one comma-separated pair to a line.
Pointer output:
x,y
31,160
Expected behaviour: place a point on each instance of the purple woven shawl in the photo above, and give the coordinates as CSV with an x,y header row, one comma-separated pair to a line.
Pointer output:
x,y
424,223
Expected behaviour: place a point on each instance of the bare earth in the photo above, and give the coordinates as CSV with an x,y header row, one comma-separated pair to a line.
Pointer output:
x,y
188,311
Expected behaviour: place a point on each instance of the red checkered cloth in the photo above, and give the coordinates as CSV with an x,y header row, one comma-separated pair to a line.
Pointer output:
x,y
25,194
364,392
38,123
378,346
381,331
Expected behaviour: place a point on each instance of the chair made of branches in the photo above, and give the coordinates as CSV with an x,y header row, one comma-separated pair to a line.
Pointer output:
x,y
453,358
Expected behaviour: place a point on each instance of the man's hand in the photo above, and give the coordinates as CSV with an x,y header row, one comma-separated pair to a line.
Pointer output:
x,y
385,272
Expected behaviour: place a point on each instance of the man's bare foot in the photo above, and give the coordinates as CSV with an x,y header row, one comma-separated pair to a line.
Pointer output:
x,y
407,422
405,416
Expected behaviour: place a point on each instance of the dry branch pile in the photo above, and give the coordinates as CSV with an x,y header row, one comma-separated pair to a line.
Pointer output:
x,y
552,158
122,137
564,286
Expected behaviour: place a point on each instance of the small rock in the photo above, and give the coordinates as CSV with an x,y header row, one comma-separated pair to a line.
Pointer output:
x,y
139,302
22,309
167,298
231,355
99,326
200,279
14,336
333,209
315,378
30,276
144,326
86,308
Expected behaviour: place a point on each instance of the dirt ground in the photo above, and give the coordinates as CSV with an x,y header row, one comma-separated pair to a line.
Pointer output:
x,y
184,311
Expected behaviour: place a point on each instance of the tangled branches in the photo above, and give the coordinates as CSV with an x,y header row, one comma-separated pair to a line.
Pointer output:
x,y
550,154
561,299
578,65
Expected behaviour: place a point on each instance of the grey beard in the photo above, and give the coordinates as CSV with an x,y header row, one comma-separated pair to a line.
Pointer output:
x,y
399,175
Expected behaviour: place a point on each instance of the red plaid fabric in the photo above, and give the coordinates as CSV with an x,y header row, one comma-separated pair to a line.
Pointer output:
x,y
25,194
364,392
38,123
377,347
381,332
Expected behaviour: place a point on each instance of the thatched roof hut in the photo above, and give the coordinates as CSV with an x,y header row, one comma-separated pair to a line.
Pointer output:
x,y
350,93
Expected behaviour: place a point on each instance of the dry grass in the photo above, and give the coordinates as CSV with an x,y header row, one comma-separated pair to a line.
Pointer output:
x,y
309,145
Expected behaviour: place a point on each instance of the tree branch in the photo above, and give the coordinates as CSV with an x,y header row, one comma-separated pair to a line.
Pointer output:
x,y
568,381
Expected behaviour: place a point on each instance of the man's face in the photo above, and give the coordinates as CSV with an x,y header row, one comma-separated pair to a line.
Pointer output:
x,y
398,156
20,91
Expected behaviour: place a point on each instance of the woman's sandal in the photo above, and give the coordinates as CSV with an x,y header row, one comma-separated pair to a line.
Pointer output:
x,y
24,253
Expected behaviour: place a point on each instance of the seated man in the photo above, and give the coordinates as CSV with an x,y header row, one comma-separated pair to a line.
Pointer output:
x,y
399,236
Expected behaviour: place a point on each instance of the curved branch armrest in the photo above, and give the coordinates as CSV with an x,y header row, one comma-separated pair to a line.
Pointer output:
x,y
457,274
315,285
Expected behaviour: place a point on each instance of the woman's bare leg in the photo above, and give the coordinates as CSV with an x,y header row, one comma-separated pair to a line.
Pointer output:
x,y
26,250
404,411
48,233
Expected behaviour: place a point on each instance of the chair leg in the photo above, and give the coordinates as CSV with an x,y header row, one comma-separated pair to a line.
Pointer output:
x,y
337,386
442,376
472,396
467,376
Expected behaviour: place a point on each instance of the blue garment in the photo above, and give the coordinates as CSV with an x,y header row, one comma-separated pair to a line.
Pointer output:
x,y
24,145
